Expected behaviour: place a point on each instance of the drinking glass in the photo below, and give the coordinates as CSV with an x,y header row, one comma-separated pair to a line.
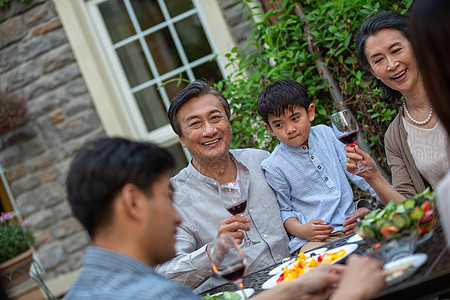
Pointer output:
x,y
346,130
234,198
228,260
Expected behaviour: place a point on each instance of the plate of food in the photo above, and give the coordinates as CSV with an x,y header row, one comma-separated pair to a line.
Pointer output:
x,y
355,238
305,263
279,269
237,295
400,269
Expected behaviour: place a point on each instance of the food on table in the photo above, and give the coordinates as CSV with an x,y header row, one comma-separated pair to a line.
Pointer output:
x,y
418,213
305,263
224,295
396,271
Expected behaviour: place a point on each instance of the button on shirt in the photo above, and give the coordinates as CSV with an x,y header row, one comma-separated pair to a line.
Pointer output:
x,y
196,198
312,183
111,275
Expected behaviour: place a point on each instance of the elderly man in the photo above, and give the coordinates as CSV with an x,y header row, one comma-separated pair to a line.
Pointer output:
x,y
200,116
119,190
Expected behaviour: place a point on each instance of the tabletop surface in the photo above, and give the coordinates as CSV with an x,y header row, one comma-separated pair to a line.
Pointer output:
x,y
432,278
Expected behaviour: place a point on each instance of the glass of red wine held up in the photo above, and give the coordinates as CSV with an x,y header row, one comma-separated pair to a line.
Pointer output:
x,y
234,198
228,260
346,130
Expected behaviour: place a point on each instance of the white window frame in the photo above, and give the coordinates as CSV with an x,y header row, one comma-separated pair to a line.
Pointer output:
x,y
109,88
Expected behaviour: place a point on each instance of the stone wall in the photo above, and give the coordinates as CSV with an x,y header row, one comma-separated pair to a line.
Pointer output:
x,y
37,62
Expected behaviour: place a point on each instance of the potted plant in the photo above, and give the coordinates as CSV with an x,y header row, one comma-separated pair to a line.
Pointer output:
x,y
12,111
16,243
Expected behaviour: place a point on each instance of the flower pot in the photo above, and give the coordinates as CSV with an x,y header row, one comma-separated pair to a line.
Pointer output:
x,y
16,270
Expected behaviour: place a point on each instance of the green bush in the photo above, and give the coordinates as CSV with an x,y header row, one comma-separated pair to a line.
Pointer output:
x,y
277,49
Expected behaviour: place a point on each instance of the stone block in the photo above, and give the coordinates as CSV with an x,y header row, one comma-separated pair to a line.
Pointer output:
x,y
20,134
77,87
42,238
63,268
33,147
76,242
40,162
46,27
66,228
50,194
241,32
63,211
33,47
58,58
12,30
41,219
57,37
15,173
42,105
78,104
236,15
23,75
51,255
25,184
28,203
76,259
48,175
38,14
9,58
56,116
78,126
10,156
49,132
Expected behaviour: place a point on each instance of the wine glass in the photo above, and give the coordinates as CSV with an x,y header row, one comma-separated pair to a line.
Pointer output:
x,y
228,260
234,199
346,130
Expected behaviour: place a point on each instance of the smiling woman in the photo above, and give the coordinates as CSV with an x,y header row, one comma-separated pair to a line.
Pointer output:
x,y
415,141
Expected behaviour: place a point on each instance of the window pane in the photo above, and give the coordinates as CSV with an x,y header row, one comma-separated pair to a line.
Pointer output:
x,y
210,71
152,108
147,12
176,7
180,158
163,51
116,20
175,85
134,63
193,38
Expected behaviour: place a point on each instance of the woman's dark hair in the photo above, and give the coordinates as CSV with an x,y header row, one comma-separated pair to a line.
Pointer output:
x,y
430,39
197,88
280,96
370,27
101,168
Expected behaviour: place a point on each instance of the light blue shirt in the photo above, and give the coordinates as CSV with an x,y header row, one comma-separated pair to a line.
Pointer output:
x,y
110,275
311,183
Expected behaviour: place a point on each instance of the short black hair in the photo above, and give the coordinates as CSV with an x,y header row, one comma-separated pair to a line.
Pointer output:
x,y
101,168
280,96
373,24
197,88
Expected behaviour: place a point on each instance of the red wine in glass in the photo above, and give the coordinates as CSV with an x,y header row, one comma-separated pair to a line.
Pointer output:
x,y
234,274
350,139
228,260
238,208
346,130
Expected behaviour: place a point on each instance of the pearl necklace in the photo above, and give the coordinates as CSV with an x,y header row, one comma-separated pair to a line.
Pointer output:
x,y
417,122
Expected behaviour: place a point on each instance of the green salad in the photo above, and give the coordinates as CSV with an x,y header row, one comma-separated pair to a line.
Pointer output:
x,y
396,219
224,295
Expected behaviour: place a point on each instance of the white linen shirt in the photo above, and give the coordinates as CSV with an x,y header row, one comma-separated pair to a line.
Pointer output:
x,y
311,183
196,198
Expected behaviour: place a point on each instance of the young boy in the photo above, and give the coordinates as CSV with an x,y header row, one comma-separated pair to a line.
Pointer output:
x,y
307,169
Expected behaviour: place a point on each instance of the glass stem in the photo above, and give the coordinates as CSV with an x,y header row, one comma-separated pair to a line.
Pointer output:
x,y
241,286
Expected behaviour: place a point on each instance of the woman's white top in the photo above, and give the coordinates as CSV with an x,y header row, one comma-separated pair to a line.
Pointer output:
x,y
430,150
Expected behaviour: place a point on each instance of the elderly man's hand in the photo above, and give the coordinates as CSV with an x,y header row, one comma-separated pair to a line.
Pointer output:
x,y
232,225
351,221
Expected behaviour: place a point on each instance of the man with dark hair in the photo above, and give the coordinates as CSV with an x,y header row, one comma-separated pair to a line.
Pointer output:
x,y
200,115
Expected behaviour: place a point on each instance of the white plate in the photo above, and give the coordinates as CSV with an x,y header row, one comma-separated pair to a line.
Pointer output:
x,y
272,281
279,268
354,239
248,293
416,261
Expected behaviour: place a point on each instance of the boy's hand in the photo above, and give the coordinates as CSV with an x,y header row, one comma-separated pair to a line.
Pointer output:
x,y
316,230
352,220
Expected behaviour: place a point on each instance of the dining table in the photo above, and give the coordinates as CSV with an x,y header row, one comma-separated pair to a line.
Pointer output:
x,y
431,279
